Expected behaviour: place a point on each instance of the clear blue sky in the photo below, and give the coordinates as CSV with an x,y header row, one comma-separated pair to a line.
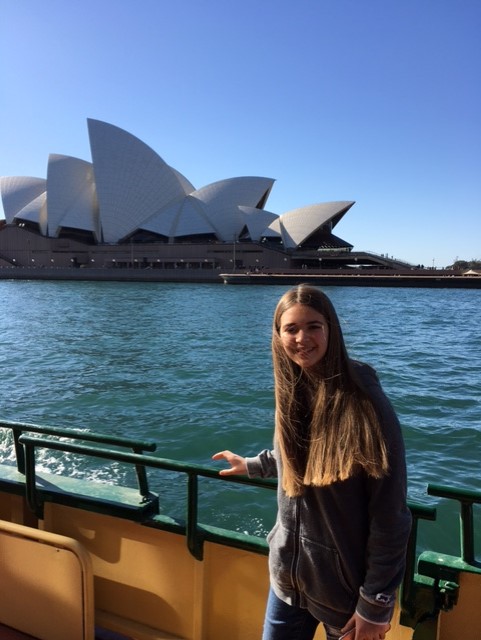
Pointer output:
x,y
377,101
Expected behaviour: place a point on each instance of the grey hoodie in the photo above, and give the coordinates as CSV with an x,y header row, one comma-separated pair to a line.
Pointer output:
x,y
341,548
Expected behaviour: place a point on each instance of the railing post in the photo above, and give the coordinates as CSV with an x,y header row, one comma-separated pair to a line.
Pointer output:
x,y
466,498
137,446
467,532
415,597
19,452
141,476
194,540
31,482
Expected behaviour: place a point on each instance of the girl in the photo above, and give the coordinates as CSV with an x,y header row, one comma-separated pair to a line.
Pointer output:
x,y
337,550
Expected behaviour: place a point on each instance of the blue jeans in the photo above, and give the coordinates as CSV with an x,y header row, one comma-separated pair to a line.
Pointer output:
x,y
285,622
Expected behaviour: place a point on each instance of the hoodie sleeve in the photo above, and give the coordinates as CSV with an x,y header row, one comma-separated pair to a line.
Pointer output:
x,y
389,517
263,465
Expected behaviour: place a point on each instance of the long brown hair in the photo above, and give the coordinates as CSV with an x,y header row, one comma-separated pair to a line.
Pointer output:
x,y
326,425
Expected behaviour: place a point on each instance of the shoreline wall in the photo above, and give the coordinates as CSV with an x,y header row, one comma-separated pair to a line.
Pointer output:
x,y
375,278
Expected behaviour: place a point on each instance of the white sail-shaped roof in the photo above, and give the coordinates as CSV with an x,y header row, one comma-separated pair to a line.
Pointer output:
x,y
222,199
36,212
274,230
72,200
297,225
256,221
18,191
163,221
132,181
187,186
192,219
128,188
183,217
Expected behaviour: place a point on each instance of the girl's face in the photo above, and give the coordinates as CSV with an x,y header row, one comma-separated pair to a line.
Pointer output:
x,y
304,335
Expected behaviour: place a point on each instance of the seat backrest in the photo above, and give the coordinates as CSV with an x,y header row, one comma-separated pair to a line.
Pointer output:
x,y
47,584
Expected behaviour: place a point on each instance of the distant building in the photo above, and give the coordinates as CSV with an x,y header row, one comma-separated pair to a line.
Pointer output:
x,y
130,209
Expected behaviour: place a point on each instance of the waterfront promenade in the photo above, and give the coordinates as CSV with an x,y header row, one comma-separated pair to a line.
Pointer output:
x,y
424,278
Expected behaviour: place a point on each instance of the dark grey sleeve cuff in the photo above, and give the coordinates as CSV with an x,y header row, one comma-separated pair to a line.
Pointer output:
x,y
262,466
377,608
254,467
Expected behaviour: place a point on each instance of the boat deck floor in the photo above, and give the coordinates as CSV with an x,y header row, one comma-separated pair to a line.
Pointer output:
x,y
7,633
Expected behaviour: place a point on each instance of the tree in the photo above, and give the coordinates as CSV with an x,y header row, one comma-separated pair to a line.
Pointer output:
x,y
463,265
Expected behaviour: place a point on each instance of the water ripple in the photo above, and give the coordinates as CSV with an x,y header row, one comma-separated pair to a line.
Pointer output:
x,y
189,366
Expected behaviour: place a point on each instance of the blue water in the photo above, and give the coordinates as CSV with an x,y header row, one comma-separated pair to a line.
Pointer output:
x,y
189,366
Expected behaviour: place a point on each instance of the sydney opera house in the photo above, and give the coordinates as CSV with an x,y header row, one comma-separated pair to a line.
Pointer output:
x,y
128,209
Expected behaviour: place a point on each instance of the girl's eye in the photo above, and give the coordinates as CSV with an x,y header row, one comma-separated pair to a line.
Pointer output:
x,y
289,330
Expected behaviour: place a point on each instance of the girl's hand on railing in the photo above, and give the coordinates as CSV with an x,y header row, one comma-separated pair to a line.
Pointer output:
x,y
238,465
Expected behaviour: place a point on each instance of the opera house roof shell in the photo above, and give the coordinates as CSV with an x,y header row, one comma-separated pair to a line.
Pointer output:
x,y
129,189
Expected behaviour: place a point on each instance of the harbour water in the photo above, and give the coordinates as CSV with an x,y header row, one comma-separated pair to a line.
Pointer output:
x,y
189,367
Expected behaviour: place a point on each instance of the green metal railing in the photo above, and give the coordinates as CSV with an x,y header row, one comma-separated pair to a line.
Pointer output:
x,y
431,580
467,499
137,446
195,534
418,512
67,441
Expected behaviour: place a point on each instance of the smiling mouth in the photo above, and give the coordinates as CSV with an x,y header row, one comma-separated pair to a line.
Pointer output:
x,y
305,352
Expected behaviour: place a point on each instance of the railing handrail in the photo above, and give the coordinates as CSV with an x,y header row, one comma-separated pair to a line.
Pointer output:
x,y
192,470
137,446
467,498
79,434
414,585
167,464
141,461
471,496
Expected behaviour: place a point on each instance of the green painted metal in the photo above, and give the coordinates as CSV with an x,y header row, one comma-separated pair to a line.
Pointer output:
x,y
137,446
416,594
431,580
434,586
466,498
195,533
